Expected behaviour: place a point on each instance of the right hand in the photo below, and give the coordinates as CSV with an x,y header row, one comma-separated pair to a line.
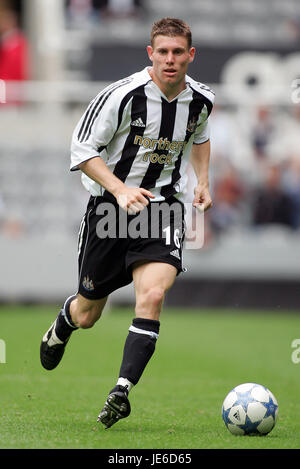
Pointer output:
x,y
133,199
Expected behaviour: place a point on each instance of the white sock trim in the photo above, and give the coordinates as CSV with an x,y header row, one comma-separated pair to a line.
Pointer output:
x,y
65,314
125,382
66,319
152,334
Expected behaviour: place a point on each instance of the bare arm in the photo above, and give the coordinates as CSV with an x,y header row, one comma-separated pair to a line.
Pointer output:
x,y
200,157
131,199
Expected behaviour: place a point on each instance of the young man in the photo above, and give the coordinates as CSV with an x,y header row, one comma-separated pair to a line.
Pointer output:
x,y
133,145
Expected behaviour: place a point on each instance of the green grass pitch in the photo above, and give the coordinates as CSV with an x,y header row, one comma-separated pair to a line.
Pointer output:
x,y
200,357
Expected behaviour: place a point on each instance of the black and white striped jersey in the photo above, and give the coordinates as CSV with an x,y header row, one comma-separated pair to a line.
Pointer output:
x,y
144,139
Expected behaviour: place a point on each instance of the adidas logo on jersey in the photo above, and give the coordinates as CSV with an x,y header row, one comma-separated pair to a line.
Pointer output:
x,y
138,123
175,253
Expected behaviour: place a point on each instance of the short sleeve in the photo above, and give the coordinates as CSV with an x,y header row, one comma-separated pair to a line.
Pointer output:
x,y
202,133
95,129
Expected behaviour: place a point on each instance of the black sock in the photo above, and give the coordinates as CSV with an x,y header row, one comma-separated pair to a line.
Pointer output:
x,y
64,324
139,348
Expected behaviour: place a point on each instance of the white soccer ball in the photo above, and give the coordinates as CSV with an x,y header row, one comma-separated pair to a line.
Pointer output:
x,y
250,409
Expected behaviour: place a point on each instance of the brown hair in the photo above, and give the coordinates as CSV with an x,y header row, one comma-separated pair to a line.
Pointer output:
x,y
171,27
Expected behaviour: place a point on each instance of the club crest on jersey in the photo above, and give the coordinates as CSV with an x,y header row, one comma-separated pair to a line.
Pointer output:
x,y
192,124
88,284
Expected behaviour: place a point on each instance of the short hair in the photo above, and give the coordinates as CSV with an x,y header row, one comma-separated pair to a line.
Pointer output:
x,y
171,27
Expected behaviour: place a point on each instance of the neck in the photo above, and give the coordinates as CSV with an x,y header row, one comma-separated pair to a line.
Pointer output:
x,y
169,90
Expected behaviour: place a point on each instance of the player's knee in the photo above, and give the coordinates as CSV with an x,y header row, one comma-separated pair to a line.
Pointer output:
x,y
87,317
156,296
85,314
151,300
85,320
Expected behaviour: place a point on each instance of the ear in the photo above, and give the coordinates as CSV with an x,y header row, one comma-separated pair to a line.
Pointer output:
x,y
150,52
192,54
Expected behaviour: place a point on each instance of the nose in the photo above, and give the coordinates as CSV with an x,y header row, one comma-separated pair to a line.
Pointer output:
x,y
170,58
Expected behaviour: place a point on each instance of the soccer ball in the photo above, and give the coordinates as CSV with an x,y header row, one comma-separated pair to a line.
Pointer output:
x,y
250,409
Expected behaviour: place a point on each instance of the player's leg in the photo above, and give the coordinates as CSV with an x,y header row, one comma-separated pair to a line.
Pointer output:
x,y
151,280
77,312
95,260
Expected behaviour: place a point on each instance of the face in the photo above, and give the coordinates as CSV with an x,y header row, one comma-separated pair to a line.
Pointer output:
x,y
170,57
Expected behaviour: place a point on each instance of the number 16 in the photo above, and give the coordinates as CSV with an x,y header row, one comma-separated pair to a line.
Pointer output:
x,y
167,231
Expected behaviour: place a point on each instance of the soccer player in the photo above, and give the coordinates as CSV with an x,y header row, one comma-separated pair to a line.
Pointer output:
x,y
133,145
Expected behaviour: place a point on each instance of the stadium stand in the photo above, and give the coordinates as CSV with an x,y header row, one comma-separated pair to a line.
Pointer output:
x,y
41,203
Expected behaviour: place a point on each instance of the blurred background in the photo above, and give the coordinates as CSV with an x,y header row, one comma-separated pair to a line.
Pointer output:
x,y
56,55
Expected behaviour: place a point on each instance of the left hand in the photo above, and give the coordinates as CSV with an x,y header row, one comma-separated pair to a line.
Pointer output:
x,y
202,199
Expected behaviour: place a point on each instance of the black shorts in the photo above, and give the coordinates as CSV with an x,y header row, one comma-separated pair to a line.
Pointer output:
x,y
110,241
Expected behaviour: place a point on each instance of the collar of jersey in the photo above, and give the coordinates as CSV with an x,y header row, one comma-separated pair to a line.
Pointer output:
x,y
160,91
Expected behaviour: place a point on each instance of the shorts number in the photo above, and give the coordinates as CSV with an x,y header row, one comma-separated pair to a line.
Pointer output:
x,y
167,231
